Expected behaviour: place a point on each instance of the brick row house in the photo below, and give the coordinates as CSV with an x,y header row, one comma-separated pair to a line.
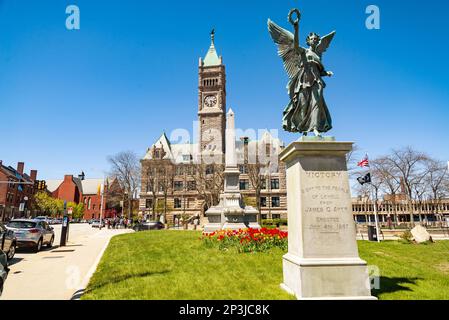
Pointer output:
x,y
12,193
185,175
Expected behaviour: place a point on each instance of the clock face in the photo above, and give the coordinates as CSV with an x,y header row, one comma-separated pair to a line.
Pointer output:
x,y
210,101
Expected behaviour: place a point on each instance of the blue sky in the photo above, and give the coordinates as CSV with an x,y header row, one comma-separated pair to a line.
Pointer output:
x,y
68,99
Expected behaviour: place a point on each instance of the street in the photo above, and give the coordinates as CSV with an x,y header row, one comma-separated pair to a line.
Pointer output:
x,y
57,273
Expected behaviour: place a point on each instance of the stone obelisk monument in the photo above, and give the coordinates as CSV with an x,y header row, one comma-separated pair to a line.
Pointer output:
x,y
231,213
322,260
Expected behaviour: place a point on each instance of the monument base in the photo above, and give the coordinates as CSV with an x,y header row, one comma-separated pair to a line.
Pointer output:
x,y
326,279
219,219
322,260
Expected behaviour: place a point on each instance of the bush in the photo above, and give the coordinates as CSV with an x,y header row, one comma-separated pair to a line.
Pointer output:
x,y
274,222
407,236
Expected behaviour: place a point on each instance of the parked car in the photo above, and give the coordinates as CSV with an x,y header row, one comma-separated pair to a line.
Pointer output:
x,y
152,225
96,223
32,233
3,270
8,241
44,218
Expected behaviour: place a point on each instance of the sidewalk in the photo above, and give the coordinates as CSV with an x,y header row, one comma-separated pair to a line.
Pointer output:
x,y
57,273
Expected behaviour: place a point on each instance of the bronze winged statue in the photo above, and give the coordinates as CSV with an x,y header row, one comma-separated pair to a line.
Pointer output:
x,y
307,110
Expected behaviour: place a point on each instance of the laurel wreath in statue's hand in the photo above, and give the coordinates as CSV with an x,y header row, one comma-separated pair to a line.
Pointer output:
x,y
298,16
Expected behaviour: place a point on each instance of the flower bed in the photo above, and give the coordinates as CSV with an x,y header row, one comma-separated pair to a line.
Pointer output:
x,y
247,240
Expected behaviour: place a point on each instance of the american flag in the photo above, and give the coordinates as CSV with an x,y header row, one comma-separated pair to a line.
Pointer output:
x,y
364,162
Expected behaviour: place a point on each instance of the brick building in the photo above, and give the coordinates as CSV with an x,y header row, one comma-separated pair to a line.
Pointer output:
x,y
86,191
178,173
12,193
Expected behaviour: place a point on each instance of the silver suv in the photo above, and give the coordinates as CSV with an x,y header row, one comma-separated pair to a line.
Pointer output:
x,y
3,270
32,233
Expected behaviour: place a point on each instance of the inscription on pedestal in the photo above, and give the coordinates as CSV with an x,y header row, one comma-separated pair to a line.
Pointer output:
x,y
326,201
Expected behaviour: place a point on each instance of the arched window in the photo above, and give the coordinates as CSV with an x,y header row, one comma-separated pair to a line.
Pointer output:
x,y
89,200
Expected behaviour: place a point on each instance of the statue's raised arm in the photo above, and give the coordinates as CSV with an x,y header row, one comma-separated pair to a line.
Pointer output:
x,y
288,44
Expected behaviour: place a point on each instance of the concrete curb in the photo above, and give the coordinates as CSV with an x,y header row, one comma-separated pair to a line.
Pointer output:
x,y
80,291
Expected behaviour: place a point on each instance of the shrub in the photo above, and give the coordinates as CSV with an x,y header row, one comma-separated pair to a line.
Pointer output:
x,y
275,222
407,236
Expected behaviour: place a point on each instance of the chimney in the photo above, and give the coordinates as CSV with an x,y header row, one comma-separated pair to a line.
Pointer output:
x,y
68,178
20,167
33,175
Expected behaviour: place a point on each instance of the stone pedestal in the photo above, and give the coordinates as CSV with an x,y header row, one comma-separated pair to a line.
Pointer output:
x,y
322,260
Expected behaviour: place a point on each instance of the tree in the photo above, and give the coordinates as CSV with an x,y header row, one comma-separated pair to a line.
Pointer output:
x,y
437,181
125,168
43,202
390,184
78,210
209,182
408,166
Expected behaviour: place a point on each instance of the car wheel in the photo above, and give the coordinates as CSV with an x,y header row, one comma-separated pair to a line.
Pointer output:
x,y
38,246
11,252
50,244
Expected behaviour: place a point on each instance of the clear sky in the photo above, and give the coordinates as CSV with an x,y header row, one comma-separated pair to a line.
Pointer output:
x,y
68,99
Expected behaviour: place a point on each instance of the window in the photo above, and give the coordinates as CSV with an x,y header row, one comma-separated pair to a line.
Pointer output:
x,y
268,150
264,184
275,202
179,171
149,203
276,216
244,185
243,169
263,201
187,157
191,185
275,184
93,207
177,203
89,201
149,186
179,185
209,170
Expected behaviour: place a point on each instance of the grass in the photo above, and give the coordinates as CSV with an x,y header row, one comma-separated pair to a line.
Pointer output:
x,y
409,271
175,265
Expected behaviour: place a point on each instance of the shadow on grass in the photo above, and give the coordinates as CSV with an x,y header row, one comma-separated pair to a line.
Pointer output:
x,y
115,280
389,285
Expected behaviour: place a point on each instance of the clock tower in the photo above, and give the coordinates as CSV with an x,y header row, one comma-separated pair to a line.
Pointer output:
x,y
212,102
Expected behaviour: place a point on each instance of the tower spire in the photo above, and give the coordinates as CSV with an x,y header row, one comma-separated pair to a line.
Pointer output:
x,y
212,58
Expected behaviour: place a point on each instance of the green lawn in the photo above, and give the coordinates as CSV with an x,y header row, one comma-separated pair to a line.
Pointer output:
x,y
176,265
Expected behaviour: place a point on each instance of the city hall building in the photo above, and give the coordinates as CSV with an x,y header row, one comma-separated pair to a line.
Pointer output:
x,y
174,175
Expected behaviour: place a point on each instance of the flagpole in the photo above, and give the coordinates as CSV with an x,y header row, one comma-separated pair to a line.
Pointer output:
x,y
376,219
365,163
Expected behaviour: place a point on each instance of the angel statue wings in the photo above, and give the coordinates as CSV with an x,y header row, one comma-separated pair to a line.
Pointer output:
x,y
307,110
